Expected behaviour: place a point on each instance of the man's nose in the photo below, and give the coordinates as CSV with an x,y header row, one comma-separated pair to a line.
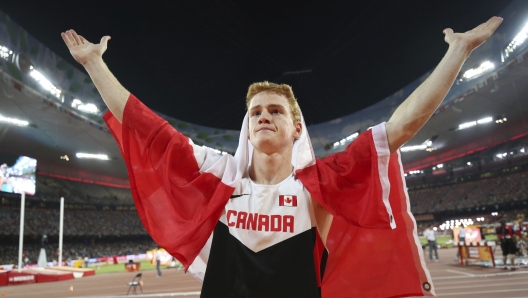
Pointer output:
x,y
264,118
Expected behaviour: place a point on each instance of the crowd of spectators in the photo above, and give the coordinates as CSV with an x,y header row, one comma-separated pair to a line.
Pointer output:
x,y
97,223
488,220
466,194
75,251
52,189
470,194
76,223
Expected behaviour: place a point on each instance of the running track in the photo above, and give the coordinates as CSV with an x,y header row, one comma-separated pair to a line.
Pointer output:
x,y
450,280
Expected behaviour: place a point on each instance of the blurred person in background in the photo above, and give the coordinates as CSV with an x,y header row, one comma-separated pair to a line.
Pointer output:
x,y
158,261
461,239
507,243
519,229
430,235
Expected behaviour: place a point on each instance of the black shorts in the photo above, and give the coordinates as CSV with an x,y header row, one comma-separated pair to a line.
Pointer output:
x,y
508,247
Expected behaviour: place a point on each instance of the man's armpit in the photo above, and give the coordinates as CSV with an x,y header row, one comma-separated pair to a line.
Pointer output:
x,y
323,219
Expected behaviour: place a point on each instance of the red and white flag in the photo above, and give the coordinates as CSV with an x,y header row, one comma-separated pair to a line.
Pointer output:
x,y
363,188
288,201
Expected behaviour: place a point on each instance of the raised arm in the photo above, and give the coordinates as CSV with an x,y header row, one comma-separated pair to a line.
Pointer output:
x,y
91,57
412,114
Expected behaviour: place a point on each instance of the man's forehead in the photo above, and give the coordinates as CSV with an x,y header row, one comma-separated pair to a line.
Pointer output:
x,y
268,99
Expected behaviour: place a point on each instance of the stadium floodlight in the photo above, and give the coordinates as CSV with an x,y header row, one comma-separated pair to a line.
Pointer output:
x,y
352,136
518,40
485,120
92,156
440,165
469,163
415,172
45,83
5,52
522,150
413,148
88,107
480,121
13,121
467,125
424,146
476,72
343,141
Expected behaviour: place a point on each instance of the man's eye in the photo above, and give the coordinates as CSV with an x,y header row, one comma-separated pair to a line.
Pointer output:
x,y
275,111
256,113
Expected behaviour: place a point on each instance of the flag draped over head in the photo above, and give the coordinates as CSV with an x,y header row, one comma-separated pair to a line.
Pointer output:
x,y
180,191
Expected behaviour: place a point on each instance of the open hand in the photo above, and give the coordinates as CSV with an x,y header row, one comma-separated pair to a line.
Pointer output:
x,y
81,49
473,38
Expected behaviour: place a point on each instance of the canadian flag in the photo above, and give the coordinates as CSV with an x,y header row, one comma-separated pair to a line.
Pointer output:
x,y
361,215
289,201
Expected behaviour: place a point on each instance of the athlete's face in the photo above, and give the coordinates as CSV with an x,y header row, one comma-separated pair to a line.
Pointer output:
x,y
271,128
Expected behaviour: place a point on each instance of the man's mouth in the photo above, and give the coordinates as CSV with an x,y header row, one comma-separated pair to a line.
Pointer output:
x,y
265,128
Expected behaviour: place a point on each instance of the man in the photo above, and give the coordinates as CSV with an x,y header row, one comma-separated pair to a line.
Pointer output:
x,y
461,239
507,243
518,229
430,235
4,178
273,207
158,261
462,235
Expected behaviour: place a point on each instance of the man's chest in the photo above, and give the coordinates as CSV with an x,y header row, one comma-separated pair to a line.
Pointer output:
x,y
260,216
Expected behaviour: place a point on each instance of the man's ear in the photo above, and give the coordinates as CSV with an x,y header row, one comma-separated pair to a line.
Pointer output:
x,y
298,130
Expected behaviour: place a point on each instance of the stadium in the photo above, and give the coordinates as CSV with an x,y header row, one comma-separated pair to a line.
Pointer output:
x,y
466,168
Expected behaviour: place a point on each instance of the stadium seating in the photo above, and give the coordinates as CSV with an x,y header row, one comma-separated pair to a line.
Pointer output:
x,y
93,223
469,194
51,189
74,251
76,223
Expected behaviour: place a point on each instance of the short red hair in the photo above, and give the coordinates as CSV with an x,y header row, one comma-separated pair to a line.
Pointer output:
x,y
280,89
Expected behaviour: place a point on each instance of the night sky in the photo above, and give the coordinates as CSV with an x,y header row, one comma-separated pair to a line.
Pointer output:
x,y
194,60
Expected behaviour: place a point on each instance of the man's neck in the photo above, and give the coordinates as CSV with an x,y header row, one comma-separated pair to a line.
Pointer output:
x,y
270,169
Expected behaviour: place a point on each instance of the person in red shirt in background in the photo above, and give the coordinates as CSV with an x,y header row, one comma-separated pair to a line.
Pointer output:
x,y
505,234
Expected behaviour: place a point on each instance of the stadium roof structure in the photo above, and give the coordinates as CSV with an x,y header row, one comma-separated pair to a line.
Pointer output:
x,y
57,129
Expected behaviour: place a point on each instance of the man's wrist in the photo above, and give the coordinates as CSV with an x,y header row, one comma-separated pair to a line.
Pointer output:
x,y
460,48
94,62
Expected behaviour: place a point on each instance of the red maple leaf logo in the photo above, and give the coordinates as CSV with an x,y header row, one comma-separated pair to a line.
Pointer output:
x,y
288,200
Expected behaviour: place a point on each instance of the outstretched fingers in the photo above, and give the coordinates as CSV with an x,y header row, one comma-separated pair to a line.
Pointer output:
x,y
493,23
69,42
75,37
72,38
